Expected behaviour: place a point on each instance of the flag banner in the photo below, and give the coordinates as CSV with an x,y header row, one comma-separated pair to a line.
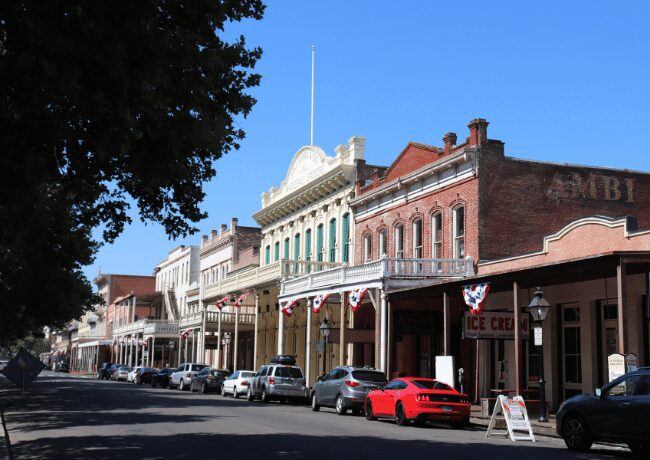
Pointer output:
x,y
221,303
240,300
23,368
318,301
475,296
355,298
287,310
186,332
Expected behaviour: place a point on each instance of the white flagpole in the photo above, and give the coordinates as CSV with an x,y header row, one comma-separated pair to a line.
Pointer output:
x,y
312,96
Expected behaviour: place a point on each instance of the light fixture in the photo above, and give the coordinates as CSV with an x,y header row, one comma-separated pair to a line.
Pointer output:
x,y
538,306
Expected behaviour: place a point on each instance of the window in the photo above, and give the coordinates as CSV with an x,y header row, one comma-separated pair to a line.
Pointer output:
x,y
383,240
286,249
399,241
332,240
626,387
296,251
276,250
417,239
346,237
267,255
308,245
459,233
319,243
367,248
436,236
571,350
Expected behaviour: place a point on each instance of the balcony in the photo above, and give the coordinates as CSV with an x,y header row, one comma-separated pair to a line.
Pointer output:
x,y
155,327
246,318
388,274
276,271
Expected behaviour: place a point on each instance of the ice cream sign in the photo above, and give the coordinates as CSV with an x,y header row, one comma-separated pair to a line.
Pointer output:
x,y
494,325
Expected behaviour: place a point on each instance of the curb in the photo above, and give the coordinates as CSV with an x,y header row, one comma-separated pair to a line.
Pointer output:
x,y
538,429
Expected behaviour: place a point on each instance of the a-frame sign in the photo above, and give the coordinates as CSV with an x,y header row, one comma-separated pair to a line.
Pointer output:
x,y
513,412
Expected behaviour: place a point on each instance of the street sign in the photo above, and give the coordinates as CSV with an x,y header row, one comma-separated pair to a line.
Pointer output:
x,y
538,336
513,412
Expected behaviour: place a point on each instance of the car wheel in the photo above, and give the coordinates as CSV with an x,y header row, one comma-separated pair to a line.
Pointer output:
x,y
204,388
249,395
576,434
400,415
223,391
340,406
181,385
638,448
314,403
234,393
368,410
265,396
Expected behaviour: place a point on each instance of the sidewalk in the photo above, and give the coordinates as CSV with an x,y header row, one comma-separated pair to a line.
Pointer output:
x,y
539,428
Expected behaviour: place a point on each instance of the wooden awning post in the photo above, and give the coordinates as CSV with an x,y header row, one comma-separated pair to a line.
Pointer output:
x,y
621,300
446,326
515,303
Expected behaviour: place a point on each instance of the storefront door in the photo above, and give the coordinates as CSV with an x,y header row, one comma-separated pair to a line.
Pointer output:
x,y
417,341
571,351
608,336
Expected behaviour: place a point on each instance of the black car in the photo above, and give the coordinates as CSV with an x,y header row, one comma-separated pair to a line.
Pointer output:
x,y
62,367
161,378
209,380
144,375
103,371
617,412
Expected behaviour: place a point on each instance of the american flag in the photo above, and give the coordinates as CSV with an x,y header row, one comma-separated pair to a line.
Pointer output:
x,y
355,298
319,300
475,296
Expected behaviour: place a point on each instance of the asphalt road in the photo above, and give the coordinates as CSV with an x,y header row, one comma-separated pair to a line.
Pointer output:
x,y
71,417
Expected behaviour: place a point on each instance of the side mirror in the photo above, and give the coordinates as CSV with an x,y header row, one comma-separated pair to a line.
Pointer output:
x,y
319,378
598,392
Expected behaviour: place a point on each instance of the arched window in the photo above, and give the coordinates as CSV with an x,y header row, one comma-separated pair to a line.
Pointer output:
x,y
436,236
308,245
399,241
459,233
383,243
345,237
319,243
267,255
276,251
333,240
286,249
367,248
417,239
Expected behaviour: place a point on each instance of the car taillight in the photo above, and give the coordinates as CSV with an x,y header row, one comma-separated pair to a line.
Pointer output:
x,y
422,398
352,383
244,383
271,380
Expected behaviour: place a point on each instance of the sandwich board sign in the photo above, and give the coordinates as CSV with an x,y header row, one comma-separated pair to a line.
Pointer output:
x,y
513,412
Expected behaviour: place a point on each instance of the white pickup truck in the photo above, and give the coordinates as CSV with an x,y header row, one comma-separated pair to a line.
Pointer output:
x,y
184,374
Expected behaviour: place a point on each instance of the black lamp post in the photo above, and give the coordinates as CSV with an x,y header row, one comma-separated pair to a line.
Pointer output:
x,y
538,308
325,330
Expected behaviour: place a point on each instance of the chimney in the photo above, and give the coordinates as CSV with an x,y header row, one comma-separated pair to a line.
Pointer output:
x,y
233,224
477,131
222,229
213,234
204,239
450,141
357,147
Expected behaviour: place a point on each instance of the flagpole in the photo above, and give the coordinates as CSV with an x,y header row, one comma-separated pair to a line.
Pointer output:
x,y
311,142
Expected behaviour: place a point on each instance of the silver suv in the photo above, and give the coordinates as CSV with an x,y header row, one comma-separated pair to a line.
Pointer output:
x,y
346,387
183,375
278,381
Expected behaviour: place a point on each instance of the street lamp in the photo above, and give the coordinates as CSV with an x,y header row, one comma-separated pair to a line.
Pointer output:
x,y
325,329
539,308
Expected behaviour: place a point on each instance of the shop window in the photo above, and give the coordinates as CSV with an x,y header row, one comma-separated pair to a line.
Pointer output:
x,y
571,350
417,239
459,233
436,236
399,241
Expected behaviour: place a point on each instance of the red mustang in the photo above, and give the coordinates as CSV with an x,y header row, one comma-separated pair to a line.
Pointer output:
x,y
418,400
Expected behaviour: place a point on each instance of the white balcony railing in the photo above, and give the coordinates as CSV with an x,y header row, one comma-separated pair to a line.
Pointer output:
x,y
246,316
148,326
275,271
377,272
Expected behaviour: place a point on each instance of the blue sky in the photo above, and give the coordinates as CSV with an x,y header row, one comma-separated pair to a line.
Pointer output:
x,y
558,81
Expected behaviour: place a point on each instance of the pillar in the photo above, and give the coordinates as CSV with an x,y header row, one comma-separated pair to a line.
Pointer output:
x,y
219,340
515,305
280,332
621,300
257,309
308,346
137,350
342,338
382,352
193,344
236,341
446,324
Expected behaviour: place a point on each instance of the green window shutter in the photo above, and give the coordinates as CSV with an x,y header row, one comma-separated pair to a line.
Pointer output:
x,y
319,243
286,249
308,245
333,240
267,255
296,247
276,256
346,238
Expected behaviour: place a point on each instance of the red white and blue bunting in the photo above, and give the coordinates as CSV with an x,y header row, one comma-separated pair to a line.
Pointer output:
x,y
240,300
221,303
287,310
318,301
186,332
356,297
475,296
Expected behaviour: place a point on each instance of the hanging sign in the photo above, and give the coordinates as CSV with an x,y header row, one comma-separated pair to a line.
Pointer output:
x,y
494,325
513,412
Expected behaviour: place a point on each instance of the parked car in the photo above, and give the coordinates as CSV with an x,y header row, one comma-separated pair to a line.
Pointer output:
x,y
131,376
182,377
209,380
144,375
236,384
62,367
111,371
278,381
3,364
414,399
617,412
346,388
121,373
161,378
103,371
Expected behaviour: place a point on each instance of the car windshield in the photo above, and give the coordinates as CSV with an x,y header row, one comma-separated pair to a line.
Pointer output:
x,y
197,367
125,369
220,373
147,369
246,374
370,376
167,370
431,385
292,372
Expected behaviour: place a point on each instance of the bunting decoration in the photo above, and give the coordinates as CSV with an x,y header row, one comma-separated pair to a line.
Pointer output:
x,y
221,303
475,296
185,333
240,300
318,301
355,298
287,310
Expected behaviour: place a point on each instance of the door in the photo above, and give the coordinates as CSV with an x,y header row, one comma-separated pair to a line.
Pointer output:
x,y
571,350
641,408
325,395
608,336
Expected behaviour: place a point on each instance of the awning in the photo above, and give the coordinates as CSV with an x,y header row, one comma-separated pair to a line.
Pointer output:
x,y
95,343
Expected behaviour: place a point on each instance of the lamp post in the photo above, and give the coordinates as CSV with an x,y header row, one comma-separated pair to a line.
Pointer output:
x,y
325,329
171,345
226,342
538,308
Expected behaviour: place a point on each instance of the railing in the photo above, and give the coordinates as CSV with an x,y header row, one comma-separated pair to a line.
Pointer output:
x,y
246,316
148,326
378,270
255,276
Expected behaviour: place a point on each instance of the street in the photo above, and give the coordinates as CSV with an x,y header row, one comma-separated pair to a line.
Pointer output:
x,y
72,417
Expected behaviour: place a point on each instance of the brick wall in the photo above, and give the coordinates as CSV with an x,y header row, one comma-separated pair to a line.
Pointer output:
x,y
528,200
248,257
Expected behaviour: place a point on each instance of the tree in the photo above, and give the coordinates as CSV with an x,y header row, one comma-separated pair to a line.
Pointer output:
x,y
104,103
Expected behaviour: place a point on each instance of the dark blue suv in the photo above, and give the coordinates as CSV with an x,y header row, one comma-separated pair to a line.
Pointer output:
x,y
617,412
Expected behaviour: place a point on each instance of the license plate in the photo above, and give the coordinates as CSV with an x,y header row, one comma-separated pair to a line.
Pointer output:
x,y
447,408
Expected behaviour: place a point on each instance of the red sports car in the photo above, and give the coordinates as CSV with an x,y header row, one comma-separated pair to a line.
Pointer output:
x,y
418,399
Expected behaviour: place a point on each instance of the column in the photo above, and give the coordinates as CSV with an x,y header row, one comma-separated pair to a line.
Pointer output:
x,y
446,324
515,305
621,300
377,329
186,340
342,338
307,346
130,363
137,349
236,342
219,340
280,332
389,336
203,331
382,351
152,352
257,309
